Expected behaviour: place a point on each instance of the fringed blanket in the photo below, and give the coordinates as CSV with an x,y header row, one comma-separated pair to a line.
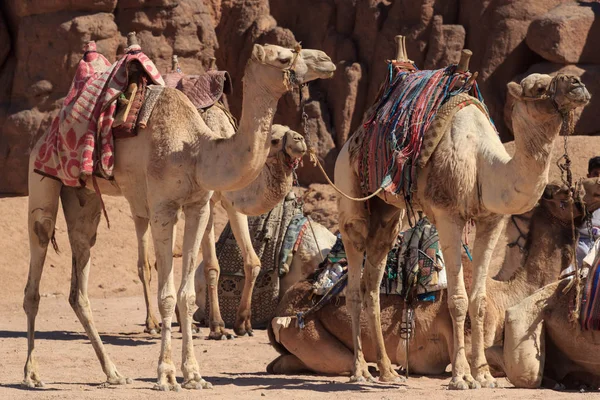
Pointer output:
x,y
414,266
590,303
268,231
202,90
395,127
79,142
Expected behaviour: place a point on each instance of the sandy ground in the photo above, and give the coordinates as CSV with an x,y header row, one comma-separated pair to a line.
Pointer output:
x,y
236,368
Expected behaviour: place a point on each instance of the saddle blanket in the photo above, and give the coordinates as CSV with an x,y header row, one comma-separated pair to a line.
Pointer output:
x,y
80,142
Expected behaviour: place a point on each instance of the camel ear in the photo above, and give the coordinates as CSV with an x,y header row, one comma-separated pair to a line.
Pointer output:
x,y
515,90
258,53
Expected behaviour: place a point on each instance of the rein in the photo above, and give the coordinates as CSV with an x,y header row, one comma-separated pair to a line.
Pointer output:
x,y
522,235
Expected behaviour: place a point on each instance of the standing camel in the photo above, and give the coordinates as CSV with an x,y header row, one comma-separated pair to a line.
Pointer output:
x,y
322,346
469,176
174,163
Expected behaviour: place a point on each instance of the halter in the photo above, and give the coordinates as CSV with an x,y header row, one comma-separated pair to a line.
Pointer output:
x,y
522,235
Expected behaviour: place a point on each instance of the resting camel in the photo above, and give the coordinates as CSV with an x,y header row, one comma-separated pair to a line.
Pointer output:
x,y
469,176
324,345
175,162
541,342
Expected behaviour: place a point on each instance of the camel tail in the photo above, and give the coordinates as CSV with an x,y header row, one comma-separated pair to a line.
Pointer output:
x,y
273,332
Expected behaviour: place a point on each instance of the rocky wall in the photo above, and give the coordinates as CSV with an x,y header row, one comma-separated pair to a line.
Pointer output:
x,y
41,42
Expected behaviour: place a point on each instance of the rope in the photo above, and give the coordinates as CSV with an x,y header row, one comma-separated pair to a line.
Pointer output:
x,y
316,162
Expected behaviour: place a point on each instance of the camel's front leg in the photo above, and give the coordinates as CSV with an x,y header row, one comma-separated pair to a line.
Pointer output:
x,y
196,219
43,206
82,214
212,270
239,226
450,231
145,271
488,232
163,218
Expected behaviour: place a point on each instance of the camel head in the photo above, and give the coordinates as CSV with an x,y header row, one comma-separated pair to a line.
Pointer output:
x,y
287,67
556,199
550,95
286,143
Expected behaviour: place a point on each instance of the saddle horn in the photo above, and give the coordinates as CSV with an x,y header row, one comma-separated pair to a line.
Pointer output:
x,y
463,64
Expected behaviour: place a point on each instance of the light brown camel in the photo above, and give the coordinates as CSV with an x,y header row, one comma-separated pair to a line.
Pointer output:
x,y
271,186
324,345
540,341
470,176
174,163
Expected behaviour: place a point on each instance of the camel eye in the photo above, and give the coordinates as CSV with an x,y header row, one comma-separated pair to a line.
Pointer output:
x,y
274,142
541,90
285,60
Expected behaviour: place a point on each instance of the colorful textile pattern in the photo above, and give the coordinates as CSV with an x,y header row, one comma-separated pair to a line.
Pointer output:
x,y
202,90
590,303
291,241
394,128
79,142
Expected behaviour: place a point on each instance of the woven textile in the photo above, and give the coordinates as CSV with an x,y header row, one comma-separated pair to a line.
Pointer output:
x,y
202,90
590,303
267,232
395,127
79,142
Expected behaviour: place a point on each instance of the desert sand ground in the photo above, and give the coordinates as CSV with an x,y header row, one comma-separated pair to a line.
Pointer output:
x,y
236,368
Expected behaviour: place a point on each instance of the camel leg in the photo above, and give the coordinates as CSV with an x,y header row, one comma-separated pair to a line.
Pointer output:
x,y
162,223
313,349
197,216
43,206
383,231
524,339
239,226
486,238
200,284
145,271
450,231
82,213
353,227
212,271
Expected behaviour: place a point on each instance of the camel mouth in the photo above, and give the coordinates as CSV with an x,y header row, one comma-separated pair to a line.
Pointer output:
x,y
579,95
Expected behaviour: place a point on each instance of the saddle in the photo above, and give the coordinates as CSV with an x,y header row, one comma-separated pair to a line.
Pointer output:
x,y
130,103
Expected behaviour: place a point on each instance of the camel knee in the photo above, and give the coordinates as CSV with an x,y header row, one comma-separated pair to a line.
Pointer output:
x,y
186,300
43,228
355,230
212,276
458,306
31,301
77,301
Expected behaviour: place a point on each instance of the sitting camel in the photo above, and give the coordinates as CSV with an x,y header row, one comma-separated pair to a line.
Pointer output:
x,y
541,343
324,344
174,163
469,176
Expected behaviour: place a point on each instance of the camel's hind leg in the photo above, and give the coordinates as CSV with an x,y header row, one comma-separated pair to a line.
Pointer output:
x,y
383,232
43,206
486,238
313,349
212,270
450,231
239,226
145,271
82,212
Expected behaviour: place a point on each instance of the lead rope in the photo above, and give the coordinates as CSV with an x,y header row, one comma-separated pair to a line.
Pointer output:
x,y
566,176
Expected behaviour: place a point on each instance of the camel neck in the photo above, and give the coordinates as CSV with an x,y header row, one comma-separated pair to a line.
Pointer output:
x,y
236,161
272,184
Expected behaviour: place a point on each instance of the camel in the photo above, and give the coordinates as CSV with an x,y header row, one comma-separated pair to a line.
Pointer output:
x,y
271,186
175,162
469,176
324,344
541,343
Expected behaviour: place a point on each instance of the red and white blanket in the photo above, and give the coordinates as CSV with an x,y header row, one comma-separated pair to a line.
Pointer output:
x,y
79,142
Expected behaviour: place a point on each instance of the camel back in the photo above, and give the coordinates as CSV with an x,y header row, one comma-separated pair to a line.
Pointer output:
x,y
395,128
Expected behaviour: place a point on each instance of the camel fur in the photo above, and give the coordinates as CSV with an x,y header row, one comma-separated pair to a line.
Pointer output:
x,y
469,176
324,345
174,163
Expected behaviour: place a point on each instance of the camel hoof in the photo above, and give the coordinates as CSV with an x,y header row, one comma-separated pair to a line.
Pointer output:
x,y
165,388
196,385
361,379
32,384
152,331
392,379
116,380
465,383
220,336
486,380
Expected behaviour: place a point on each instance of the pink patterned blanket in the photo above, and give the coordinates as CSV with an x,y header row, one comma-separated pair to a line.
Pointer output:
x,y
79,142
